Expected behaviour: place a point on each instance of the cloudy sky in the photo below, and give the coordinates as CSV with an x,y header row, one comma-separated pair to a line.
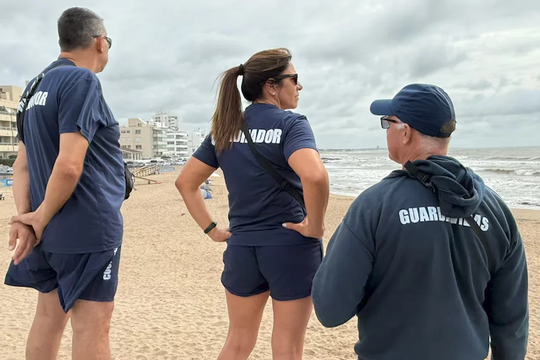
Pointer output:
x,y
167,55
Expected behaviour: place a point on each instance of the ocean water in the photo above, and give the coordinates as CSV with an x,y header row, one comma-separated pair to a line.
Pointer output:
x,y
514,173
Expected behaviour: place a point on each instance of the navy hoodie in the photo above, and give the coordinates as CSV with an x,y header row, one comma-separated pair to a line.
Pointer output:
x,y
405,261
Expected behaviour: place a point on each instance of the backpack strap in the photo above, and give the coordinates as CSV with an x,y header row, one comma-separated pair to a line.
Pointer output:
x,y
26,98
26,101
280,180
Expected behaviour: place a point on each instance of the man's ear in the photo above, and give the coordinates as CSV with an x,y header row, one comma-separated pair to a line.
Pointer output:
x,y
407,134
100,47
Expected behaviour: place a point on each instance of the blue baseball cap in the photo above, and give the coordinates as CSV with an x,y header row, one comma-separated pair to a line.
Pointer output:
x,y
426,108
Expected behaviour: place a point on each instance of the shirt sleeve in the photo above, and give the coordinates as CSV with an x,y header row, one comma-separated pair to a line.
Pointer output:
x,y
299,136
79,108
207,153
338,286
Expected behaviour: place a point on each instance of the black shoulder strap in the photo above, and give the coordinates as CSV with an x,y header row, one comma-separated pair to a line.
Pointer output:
x,y
26,97
480,235
280,180
26,101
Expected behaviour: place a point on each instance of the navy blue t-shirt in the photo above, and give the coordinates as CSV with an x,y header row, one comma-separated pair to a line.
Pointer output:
x,y
68,100
257,206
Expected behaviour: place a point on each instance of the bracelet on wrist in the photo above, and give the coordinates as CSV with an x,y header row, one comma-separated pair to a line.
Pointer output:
x,y
210,227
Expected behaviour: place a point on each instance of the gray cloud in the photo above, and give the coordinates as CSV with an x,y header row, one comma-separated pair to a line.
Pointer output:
x,y
434,59
503,82
516,102
168,55
479,85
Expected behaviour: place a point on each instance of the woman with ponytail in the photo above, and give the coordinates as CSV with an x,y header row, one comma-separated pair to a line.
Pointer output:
x,y
273,243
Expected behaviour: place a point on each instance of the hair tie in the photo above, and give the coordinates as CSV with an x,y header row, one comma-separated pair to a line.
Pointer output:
x,y
241,69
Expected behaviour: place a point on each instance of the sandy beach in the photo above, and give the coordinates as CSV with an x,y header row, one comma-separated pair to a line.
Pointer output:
x,y
170,302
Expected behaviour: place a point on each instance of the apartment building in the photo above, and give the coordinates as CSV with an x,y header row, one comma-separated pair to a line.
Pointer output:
x,y
9,101
131,155
138,135
195,140
159,141
169,121
177,144
150,139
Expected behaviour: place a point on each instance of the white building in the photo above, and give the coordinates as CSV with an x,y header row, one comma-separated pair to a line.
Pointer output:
x,y
172,122
160,136
177,144
147,137
131,155
159,141
195,139
9,101
181,144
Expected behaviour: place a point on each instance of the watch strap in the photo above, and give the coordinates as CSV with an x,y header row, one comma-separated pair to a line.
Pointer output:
x,y
212,225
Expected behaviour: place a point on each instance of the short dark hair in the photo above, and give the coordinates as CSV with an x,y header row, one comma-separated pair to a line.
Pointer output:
x,y
77,28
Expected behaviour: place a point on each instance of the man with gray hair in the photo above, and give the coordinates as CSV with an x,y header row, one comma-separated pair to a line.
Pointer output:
x,y
69,185
430,259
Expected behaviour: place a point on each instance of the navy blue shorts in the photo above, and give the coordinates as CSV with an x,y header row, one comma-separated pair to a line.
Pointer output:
x,y
92,276
287,271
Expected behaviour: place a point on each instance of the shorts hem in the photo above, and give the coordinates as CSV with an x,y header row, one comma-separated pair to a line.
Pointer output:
x,y
260,244
290,298
236,293
81,252
28,286
94,299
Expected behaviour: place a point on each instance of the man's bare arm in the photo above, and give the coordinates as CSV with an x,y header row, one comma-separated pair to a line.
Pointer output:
x,y
65,175
21,182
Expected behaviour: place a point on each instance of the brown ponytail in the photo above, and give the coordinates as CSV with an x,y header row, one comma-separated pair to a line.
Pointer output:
x,y
228,117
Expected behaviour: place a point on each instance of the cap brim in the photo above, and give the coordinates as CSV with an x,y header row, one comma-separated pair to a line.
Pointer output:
x,y
382,107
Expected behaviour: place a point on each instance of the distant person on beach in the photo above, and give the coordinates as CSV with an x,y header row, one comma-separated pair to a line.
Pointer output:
x,y
273,245
69,185
430,259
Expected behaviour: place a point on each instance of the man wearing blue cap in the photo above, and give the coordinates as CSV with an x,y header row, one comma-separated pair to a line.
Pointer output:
x,y
430,259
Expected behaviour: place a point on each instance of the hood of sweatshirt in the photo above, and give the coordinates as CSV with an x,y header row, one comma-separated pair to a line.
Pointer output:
x,y
459,189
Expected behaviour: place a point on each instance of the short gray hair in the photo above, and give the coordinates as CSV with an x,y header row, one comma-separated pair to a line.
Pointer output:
x,y
433,142
77,28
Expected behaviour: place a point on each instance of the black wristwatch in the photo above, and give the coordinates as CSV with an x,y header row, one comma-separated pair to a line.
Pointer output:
x,y
210,227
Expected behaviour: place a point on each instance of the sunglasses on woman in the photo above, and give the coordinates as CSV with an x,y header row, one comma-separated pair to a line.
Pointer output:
x,y
294,77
